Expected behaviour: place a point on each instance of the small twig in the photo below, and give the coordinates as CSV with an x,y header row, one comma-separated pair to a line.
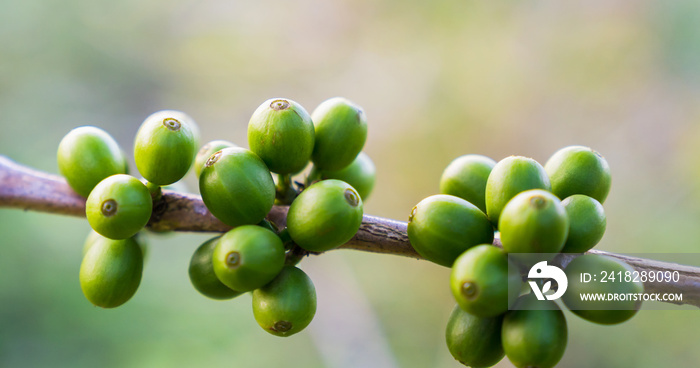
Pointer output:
x,y
28,189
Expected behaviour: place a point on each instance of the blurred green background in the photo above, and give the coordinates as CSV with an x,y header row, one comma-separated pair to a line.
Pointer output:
x,y
437,79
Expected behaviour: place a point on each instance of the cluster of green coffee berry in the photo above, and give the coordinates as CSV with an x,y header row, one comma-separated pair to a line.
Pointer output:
x,y
537,212
237,186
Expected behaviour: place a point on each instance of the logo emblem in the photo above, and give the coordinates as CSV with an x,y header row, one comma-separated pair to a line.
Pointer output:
x,y
543,271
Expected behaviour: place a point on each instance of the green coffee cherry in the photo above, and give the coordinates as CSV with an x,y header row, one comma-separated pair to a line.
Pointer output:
x,y
441,227
509,177
202,274
607,312
483,281
206,151
94,236
579,170
341,131
474,341
325,215
534,221
587,223
282,134
111,271
88,154
465,177
286,305
119,207
248,257
165,146
237,187
361,174
534,337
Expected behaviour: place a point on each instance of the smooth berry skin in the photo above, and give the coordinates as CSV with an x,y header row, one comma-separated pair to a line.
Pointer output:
x,y
341,132
441,227
110,272
360,174
237,187
165,146
484,282
286,305
587,223
465,177
93,237
87,155
579,170
534,333
206,151
119,207
534,221
472,340
248,257
282,134
202,275
325,215
510,176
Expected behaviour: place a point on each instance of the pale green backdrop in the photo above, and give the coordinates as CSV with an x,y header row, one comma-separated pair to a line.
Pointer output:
x,y
437,79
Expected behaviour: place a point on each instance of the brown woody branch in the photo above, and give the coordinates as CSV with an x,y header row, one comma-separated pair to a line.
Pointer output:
x,y
28,189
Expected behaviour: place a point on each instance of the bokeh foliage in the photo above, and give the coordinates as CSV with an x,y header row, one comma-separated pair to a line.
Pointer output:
x,y
437,79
